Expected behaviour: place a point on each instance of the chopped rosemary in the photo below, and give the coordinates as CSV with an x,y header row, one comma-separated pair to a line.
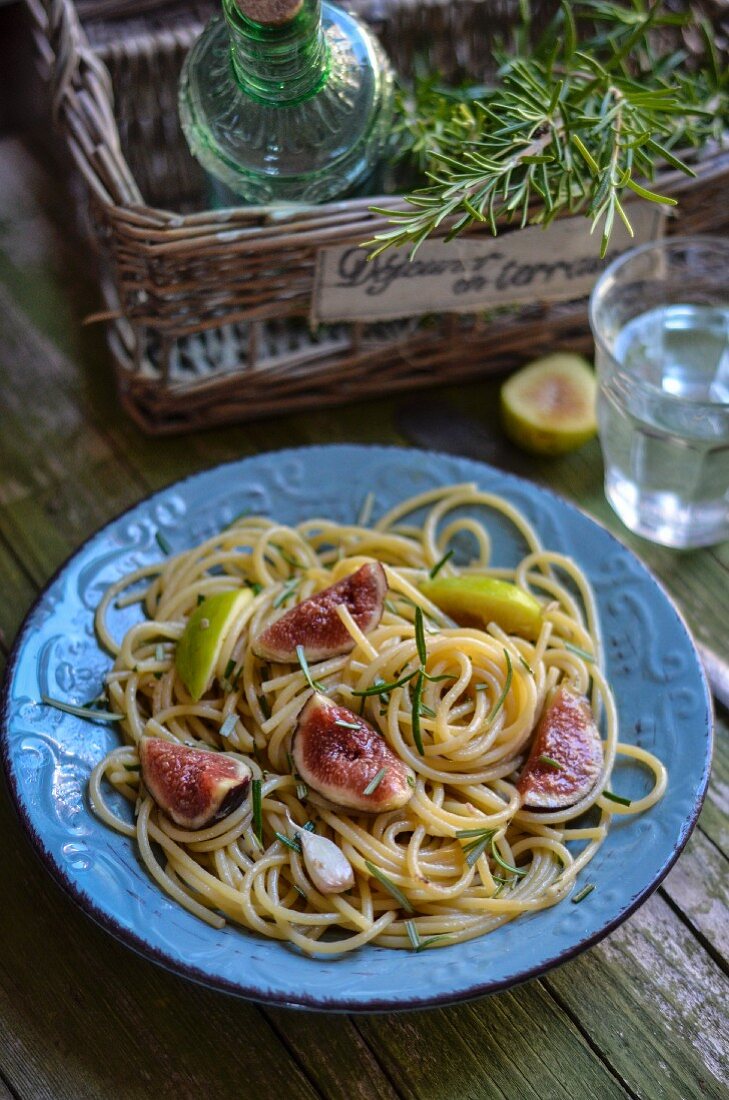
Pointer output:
x,y
415,940
617,798
293,844
420,636
345,724
255,587
390,606
309,826
476,847
527,666
381,688
200,598
439,564
502,698
264,705
427,711
438,679
228,725
256,802
229,669
417,696
302,791
159,653
287,557
580,652
315,685
162,543
411,781
550,762
583,893
83,711
375,782
365,512
520,871
389,886
287,591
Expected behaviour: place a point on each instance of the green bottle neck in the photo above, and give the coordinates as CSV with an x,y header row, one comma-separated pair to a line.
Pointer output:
x,y
281,64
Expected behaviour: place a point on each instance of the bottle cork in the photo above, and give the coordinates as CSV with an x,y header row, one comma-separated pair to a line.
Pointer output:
x,y
270,13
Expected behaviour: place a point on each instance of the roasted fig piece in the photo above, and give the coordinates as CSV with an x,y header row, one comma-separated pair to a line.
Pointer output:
x,y
315,624
341,756
193,787
566,756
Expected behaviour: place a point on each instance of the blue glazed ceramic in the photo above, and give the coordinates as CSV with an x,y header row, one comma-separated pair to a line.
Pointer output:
x,y
662,698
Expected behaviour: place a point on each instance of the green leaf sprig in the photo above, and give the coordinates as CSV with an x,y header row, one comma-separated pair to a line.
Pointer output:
x,y
578,121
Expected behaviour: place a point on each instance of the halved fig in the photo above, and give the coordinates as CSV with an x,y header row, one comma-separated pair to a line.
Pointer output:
x,y
566,755
315,624
342,757
193,787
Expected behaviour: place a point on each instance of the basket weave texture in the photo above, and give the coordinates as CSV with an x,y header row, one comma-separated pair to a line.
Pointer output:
x,y
207,309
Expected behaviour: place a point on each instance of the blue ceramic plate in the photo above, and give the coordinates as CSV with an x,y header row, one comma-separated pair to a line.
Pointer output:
x,y
661,692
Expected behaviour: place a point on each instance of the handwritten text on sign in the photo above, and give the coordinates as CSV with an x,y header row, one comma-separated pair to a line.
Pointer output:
x,y
471,273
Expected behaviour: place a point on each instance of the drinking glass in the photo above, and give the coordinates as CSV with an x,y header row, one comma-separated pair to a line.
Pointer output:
x,y
660,319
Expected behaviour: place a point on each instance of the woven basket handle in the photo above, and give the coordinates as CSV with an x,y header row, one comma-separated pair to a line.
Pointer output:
x,y
82,102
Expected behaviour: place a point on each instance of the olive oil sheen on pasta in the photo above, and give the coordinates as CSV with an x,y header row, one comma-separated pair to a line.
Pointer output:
x,y
286,100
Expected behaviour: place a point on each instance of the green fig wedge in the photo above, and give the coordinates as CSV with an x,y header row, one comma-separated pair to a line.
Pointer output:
x,y
476,600
199,646
548,407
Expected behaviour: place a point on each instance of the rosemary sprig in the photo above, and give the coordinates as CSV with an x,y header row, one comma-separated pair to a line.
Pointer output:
x,y
504,692
579,651
415,940
440,563
315,685
583,893
293,844
383,688
550,762
617,798
415,714
82,711
375,782
577,121
257,805
287,591
162,543
390,886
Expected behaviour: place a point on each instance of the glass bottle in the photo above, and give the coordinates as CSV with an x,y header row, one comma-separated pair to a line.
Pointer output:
x,y
286,100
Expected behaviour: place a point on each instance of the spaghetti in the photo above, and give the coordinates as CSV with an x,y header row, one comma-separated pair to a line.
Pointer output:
x,y
463,856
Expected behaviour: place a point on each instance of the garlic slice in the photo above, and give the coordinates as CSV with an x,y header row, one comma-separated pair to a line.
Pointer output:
x,y
328,868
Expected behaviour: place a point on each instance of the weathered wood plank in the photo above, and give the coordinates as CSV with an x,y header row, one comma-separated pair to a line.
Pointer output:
x,y
699,887
334,1054
714,819
656,1006
513,1044
16,594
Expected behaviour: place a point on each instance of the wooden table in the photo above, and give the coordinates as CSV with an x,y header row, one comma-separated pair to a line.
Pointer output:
x,y
640,1015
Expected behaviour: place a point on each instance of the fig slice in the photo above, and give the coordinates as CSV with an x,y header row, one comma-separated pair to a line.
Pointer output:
x,y
315,624
342,757
566,755
477,600
200,643
194,787
548,407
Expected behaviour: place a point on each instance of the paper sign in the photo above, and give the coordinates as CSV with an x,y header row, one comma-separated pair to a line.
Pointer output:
x,y
468,274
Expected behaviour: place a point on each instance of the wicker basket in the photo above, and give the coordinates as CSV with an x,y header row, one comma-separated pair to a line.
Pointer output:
x,y
207,309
